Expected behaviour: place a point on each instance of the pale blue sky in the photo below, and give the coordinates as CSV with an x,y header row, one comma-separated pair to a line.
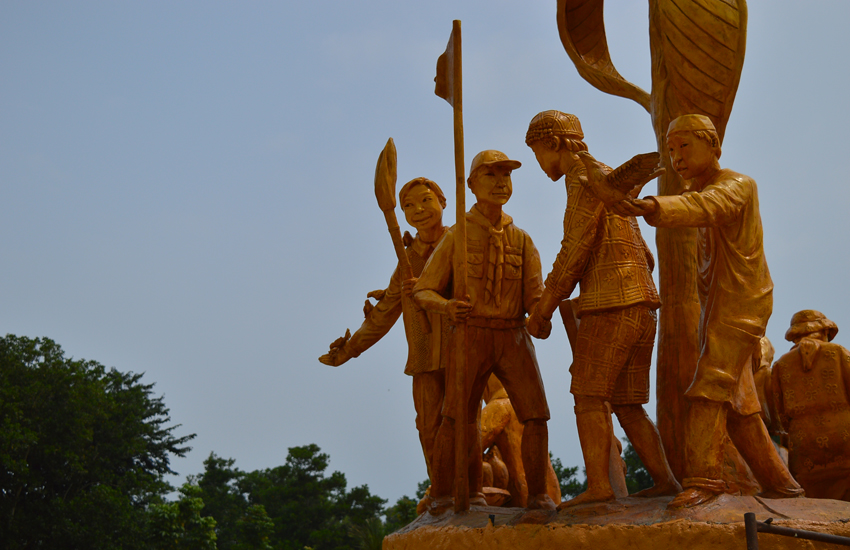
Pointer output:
x,y
187,191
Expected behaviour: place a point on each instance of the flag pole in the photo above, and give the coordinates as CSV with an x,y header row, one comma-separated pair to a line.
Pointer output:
x,y
449,87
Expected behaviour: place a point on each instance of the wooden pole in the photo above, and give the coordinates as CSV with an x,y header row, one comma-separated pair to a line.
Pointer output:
x,y
460,286
449,86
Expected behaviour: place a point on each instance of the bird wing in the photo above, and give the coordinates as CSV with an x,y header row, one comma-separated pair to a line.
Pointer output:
x,y
635,172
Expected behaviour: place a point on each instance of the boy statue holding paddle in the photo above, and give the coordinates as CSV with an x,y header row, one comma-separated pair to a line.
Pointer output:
x,y
422,201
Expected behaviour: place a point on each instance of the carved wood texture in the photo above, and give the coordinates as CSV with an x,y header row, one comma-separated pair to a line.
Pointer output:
x,y
697,49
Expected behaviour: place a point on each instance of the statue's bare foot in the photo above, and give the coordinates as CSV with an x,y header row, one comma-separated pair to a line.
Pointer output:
x,y
440,505
477,499
588,497
690,497
667,489
541,502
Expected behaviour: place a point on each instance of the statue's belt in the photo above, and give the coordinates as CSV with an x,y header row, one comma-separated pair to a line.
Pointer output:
x,y
499,324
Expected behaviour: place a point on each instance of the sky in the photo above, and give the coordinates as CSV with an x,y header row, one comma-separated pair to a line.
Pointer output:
x,y
186,190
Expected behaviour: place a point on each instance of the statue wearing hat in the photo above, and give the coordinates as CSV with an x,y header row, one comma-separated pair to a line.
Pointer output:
x,y
811,393
736,300
504,284
605,253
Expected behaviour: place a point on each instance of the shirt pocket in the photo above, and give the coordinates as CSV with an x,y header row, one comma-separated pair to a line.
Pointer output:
x,y
513,262
475,261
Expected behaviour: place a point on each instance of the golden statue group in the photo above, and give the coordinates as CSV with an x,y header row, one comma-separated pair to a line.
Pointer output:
x,y
733,399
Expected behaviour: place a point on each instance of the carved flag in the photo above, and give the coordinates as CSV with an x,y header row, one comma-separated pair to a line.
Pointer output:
x,y
448,79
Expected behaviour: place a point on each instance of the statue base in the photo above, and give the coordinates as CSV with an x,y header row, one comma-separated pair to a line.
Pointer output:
x,y
634,523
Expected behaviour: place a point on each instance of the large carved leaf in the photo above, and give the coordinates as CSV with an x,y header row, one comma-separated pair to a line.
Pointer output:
x,y
582,30
698,52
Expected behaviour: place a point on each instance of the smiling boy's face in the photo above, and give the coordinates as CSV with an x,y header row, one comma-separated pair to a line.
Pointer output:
x,y
422,208
492,184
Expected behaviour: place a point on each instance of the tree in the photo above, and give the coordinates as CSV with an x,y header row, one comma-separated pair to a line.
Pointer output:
x,y
637,478
179,525
308,508
568,478
287,507
400,514
83,450
254,529
423,488
228,505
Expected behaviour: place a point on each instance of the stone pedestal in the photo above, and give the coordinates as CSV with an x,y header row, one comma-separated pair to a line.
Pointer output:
x,y
632,523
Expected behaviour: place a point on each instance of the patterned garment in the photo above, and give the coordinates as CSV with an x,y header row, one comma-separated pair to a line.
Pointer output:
x,y
613,356
811,393
603,252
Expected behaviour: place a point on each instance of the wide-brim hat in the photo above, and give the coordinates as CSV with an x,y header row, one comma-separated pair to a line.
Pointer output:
x,y
808,321
491,157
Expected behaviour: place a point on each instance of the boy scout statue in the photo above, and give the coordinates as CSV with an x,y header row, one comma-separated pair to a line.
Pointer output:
x,y
736,298
422,201
606,254
504,284
811,389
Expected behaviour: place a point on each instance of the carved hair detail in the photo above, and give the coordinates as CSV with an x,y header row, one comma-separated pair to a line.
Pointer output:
x,y
427,183
710,137
556,130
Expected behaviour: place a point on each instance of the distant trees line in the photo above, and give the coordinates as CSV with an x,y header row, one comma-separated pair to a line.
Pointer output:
x,y
84,452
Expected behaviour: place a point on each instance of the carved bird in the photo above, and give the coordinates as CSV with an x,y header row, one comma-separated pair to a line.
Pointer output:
x,y
613,186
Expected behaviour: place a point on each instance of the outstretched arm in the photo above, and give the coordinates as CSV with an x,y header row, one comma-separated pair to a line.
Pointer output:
x,y
379,320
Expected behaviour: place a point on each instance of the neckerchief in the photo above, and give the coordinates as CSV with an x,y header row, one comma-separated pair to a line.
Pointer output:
x,y
496,254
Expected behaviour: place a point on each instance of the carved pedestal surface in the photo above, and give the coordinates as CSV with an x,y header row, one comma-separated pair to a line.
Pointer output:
x,y
632,523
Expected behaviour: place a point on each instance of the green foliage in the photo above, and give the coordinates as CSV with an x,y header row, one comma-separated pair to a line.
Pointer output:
x,y
422,488
287,507
568,479
368,535
83,450
400,514
179,525
225,502
254,529
637,478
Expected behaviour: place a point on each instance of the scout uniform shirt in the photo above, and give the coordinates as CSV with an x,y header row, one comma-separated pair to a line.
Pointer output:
x,y
503,268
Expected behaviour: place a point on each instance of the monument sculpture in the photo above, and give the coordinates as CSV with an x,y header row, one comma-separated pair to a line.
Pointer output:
x,y
736,299
423,202
697,50
762,369
504,283
716,299
502,431
605,253
811,391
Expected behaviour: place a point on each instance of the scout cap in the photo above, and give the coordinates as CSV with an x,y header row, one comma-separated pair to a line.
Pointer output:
x,y
553,123
809,321
690,123
491,157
